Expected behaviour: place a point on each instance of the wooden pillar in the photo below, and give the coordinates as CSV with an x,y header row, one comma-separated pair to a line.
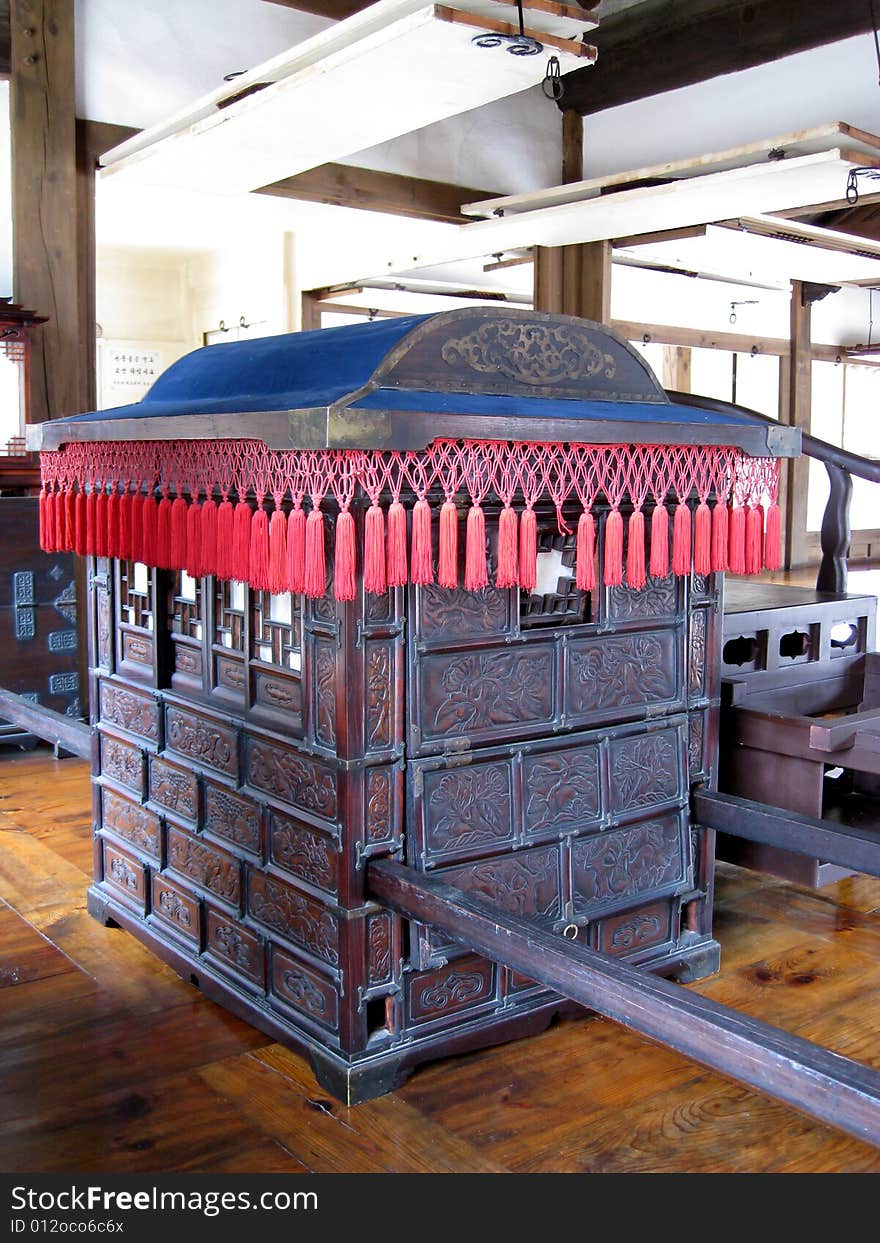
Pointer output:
x,y
44,198
310,314
574,280
799,411
677,368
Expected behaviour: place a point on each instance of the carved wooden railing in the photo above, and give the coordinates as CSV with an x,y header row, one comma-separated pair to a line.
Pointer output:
x,y
841,466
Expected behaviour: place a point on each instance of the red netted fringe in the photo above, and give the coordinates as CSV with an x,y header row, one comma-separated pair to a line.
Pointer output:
x,y
635,550
344,558
507,561
659,563
612,567
447,560
585,553
101,499
703,539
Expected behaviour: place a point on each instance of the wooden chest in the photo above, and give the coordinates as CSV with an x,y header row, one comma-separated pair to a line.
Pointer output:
x,y
254,751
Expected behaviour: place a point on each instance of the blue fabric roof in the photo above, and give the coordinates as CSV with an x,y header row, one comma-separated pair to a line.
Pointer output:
x,y
293,371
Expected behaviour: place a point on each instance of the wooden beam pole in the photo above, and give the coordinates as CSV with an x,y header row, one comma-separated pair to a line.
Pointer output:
x,y
343,185
657,46
800,390
44,199
840,1092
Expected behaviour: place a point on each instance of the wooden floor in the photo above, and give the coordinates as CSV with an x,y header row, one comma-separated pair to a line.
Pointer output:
x,y
109,1062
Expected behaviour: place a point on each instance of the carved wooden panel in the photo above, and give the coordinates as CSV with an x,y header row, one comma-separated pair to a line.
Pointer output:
x,y
561,790
131,821
381,812
305,853
174,788
103,627
646,770
380,965
299,986
488,693
232,817
618,672
324,692
122,762
379,608
201,739
292,776
235,945
176,908
125,876
659,598
445,615
696,762
463,985
519,983
526,883
697,654
205,865
230,675
634,931
137,648
379,709
294,916
188,661
135,713
612,867
274,690
468,810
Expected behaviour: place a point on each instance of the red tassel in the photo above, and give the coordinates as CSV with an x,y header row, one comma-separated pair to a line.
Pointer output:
x,y
681,539
507,571
754,539
659,564
149,530
178,534
422,559
43,511
223,564
720,536
635,550
703,539
316,571
209,536
737,548
528,549
123,528
773,539
113,524
91,523
613,568
396,545
585,566
344,557
277,552
163,535
101,506
374,551
296,551
447,562
193,562
79,534
239,565
69,520
60,519
258,560
476,574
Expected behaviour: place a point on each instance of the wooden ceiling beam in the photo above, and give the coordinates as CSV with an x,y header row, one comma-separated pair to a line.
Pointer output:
x,y
343,185
337,9
659,46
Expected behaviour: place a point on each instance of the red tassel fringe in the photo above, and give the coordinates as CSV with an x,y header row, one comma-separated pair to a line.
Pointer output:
x,y
80,545
736,558
194,564
296,550
659,564
476,574
613,564
754,539
177,556
447,561
278,553
585,564
528,549
123,508
101,524
344,561
316,570
225,538
507,571
43,513
209,537
396,545
703,539
375,580
773,539
635,550
149,530
421,569
70,522
258,554
163,534
681,539
239,563
720,536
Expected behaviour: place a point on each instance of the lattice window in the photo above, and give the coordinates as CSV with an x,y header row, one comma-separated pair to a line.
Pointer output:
x,y
230,605
185,606
555,600
135,595
277,629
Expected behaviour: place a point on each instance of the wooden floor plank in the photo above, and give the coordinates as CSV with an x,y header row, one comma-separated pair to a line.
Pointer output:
x,y
25,954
